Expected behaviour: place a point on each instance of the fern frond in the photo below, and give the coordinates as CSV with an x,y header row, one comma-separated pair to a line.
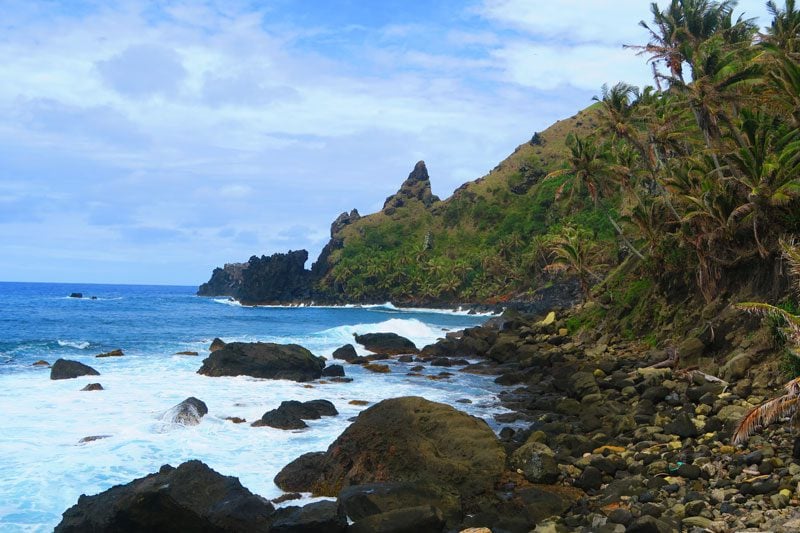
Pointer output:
x,y
763,415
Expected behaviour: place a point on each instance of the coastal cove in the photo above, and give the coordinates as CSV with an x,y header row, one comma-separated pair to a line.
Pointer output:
x,y
46,467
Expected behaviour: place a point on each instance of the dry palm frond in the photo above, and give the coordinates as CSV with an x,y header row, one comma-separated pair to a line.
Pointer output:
x,y
766,413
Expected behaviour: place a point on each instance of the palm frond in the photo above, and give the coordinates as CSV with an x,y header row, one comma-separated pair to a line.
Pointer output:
x,y
763,415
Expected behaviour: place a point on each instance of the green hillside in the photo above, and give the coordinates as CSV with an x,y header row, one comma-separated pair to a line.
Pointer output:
x,y
488,242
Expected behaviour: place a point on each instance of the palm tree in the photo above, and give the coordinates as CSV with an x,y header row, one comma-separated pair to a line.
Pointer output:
x,y
587,165
573,250
767,165
784,31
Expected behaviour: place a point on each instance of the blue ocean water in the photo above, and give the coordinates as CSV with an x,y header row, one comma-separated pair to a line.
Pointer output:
x,y
44,466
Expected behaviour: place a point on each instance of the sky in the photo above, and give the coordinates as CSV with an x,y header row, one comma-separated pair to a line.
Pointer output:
x,y
148,142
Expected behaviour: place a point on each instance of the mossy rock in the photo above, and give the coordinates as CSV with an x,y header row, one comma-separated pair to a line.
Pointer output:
x,y
407,439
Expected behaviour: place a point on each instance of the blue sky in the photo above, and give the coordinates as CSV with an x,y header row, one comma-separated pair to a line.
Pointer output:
x,y
147,142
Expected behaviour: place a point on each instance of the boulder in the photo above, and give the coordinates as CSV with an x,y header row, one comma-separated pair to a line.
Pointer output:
x,y
378,369
736,367
76,295
386,343
187,352
263,360
92,387
216,344
290,414
407,439
421,519
188,412
536,462
345,353
324,516
191,497
41,362
362,501
66,369
682,426
333,371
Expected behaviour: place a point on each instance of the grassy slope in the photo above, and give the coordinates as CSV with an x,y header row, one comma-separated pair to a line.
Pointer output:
x,y
484,243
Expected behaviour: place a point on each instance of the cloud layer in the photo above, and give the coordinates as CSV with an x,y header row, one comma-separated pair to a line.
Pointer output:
x,y
148,142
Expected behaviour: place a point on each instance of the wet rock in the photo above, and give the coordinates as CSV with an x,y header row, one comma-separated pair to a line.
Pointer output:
x,y
235,419
386,343
76,295
649,524
361,501
736,367
187,352
291,414
332,371
66,369
41,362
92,438
321,516
263,360
379,369
92,387
430,443
112,353
188,412
191,497
688,471
423,519
345,353
216,344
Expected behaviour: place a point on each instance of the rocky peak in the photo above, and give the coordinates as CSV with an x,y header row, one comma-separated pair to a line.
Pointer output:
x,y
343,220
416,187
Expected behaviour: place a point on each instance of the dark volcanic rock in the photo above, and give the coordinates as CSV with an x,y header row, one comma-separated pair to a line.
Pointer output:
x,y
66,369
216,344
92,387
188,412
76,295
361,501
416,187
317,517
263,360
322,266
275,279
404,439
332,371
420,519
192,497
345,353
386,343
112,353
290,414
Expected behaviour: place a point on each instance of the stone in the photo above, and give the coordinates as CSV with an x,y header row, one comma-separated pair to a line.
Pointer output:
x,y
423,519
688,471
361,501
216,344
379,369
590,479
263,360
536,461
291,414
76,295
191,497
235,419
345,353
92,387
41,362
92,438
649,524
187,352
682,426
386,343
187,413
332,371
691,349
549,319
407,439
320,516
736,367
66,369
112,353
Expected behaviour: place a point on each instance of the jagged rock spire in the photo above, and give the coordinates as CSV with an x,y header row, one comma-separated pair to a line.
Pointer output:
x,y
416,187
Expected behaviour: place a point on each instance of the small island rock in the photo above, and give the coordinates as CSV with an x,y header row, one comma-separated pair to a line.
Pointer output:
x,y
66,369
263,360
386,343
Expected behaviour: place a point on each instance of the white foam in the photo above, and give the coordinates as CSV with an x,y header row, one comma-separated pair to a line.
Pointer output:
x,y
45,469
386,306
78,345
228,301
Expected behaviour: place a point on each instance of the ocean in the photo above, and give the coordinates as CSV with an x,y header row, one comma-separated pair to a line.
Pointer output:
x,y
44,467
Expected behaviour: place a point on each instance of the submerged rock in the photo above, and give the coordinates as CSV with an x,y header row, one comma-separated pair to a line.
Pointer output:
x,y
112,353
404,439
92,387
76,295
263,360
66,369
41,362
191,497
386,343
188,412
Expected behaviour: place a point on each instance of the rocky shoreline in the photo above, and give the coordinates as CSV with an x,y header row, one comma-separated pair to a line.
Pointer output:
x,y
604,435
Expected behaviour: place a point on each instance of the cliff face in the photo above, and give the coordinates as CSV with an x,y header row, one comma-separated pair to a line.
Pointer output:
x,y
321,266
279,278
416,187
